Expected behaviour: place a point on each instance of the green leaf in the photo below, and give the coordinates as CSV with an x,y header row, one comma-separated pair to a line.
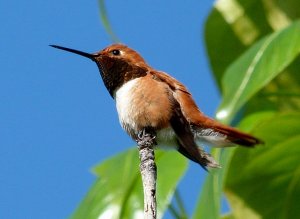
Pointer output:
x,y
282,94
265,182
208,205
118,192
228,216
233,26
256,68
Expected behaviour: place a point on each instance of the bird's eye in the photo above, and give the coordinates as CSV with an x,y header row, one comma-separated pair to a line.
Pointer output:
x,y
116,52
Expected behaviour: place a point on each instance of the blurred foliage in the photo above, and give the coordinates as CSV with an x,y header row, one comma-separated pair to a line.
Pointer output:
x,y
264,183
253,48
255,61
233,26
118,191
256,67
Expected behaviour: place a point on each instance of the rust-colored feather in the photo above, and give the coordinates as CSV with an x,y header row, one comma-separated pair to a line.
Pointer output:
x,y
198,120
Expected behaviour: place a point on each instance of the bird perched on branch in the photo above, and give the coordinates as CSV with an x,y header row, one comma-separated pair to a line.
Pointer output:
x,y
151,101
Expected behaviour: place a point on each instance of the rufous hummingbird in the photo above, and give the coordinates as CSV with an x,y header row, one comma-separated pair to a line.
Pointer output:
x,y
152,100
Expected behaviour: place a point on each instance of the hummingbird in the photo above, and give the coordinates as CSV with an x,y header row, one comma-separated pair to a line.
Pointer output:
x,y
153,101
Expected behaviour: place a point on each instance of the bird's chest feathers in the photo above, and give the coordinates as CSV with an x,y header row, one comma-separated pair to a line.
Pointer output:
x,y
126,103
141,106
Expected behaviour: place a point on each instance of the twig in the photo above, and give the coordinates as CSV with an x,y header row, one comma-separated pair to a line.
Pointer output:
x,y
146,142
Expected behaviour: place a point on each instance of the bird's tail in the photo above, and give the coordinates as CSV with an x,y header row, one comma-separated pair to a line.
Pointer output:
x,y
220,135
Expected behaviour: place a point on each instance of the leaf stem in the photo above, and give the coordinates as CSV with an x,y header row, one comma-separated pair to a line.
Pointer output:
x,y
180,204
174,211
106,23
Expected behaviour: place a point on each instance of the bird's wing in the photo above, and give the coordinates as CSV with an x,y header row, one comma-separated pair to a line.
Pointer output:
x,y
186,141
185,137
205,128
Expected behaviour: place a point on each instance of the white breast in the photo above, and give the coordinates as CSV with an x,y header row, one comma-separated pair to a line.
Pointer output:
x,y
124,102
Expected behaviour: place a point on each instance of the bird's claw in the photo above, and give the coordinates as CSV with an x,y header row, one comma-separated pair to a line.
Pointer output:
x,y
145,139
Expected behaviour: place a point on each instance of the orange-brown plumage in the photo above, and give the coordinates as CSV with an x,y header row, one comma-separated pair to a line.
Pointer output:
x,y
196,118
153,100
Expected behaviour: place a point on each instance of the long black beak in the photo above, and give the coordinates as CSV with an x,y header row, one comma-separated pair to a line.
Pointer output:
x,y
87,55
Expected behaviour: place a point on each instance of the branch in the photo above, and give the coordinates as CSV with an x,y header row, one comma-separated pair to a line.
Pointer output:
x,y
146,142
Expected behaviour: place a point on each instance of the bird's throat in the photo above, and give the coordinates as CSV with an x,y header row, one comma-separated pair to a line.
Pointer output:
x,y
117,72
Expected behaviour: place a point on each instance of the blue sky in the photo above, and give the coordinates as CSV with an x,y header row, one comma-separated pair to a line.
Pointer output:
x,y
56,118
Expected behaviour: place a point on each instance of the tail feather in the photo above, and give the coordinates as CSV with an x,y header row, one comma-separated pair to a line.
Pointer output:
x,y
222,135
237,137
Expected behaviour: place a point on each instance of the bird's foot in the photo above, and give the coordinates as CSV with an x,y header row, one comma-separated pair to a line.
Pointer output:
x,y
145,138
